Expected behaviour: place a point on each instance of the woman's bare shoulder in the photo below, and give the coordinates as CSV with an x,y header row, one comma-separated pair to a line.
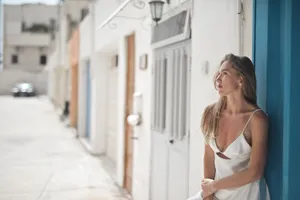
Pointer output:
x,y
259,120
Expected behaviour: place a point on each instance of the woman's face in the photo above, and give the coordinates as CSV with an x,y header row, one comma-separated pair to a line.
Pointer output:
x,y
227,80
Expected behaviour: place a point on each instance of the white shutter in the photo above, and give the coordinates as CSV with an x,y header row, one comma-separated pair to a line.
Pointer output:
x,y
170,86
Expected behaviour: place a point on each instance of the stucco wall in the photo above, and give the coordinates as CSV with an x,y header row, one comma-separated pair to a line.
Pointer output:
x,y
85,38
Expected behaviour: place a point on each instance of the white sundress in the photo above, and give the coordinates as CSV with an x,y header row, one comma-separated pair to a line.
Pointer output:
x,y
239,153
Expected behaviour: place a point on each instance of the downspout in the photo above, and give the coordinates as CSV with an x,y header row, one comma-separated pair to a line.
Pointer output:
x,y
253,30
240,22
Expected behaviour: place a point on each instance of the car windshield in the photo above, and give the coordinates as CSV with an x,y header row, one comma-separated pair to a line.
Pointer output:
x,y
25,85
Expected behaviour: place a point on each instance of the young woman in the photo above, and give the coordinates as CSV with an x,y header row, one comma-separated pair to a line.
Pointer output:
x,y
235,130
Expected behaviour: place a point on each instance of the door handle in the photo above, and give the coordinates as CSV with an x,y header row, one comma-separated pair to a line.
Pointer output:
x,y
171,141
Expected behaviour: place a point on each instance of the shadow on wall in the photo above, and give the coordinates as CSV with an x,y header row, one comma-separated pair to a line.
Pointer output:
x,y
8,78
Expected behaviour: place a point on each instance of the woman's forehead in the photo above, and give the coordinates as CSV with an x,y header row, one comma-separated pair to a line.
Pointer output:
x,y
226,65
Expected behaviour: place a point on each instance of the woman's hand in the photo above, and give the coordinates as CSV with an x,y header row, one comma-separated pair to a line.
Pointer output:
x,y
208,188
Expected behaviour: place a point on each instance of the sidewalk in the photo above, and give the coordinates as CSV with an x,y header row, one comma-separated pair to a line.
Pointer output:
x,y
41,159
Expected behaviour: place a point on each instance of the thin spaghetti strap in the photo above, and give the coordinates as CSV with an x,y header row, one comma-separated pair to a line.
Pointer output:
x,y
250,119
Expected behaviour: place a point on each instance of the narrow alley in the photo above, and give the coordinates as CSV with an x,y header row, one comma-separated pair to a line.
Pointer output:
x,y
41,159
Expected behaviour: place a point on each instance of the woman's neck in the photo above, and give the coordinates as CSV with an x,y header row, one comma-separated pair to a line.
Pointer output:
x,y
236,104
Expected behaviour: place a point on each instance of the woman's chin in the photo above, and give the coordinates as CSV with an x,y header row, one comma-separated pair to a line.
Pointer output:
x,y
221,93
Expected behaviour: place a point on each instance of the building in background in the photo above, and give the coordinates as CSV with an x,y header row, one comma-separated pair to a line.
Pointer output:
x,y
28,30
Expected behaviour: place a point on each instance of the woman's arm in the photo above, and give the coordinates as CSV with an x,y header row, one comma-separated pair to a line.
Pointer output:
x,y
259,135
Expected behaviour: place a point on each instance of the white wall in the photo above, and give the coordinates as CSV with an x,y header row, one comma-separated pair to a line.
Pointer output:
x,y
52,63
104,8
112,111
214,35
82,98
99,71
28,39
85,41
116,28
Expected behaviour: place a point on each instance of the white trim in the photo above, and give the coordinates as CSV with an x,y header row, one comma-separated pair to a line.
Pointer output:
x,y
120,162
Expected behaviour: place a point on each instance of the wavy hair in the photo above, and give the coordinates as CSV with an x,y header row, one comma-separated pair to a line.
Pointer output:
x,y
211,116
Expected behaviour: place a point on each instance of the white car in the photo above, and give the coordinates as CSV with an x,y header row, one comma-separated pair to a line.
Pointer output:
x,y
23,89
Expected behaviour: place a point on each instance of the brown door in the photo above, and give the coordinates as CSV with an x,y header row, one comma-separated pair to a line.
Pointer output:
x,y
74,96
128,110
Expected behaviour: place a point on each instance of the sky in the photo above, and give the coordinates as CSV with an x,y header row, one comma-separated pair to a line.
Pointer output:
x,y
29,1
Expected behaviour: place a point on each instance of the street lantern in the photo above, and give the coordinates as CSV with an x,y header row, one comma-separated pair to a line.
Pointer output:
x,y
156,7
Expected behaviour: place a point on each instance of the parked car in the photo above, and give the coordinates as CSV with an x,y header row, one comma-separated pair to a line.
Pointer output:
x,y
23,89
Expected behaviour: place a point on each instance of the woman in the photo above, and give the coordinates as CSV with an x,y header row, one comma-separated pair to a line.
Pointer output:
x,y
235,130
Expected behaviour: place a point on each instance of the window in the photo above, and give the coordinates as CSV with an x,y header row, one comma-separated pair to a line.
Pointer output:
x,y
43,60
172,30
170,92
14,59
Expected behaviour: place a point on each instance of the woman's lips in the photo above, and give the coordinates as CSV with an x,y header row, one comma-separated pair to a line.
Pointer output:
x,y
219,86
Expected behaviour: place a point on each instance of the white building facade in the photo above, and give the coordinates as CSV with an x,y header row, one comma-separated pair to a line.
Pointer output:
x,y
27,35
162,74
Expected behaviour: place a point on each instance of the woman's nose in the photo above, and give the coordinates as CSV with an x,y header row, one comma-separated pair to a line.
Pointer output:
x,y
218,78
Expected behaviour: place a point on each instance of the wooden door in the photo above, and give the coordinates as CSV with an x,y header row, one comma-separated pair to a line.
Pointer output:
x,y
128,111
74,96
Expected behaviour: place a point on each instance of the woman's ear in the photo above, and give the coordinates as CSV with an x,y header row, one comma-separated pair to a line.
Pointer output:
x,y
241,80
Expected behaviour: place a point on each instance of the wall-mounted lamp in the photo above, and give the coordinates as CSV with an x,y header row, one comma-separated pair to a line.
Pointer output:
x,y
156,7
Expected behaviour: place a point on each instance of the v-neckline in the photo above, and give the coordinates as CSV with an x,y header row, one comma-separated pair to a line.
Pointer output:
x,y
242,134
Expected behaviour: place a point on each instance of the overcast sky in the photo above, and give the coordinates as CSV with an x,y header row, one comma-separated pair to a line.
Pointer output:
x,y
29,1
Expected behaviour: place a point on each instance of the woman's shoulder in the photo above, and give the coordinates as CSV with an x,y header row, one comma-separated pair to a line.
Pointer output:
x,y
259,118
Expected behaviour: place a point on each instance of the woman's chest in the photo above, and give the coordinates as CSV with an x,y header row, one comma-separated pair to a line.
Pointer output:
x,y
230,129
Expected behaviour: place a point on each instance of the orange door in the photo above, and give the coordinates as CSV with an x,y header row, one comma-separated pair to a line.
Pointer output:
x,y
129,110
74,96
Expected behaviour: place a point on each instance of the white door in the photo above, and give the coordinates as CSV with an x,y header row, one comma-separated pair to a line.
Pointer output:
x,y
170,122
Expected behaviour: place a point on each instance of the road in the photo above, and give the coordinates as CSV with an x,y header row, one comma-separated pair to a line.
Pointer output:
x,y
41,159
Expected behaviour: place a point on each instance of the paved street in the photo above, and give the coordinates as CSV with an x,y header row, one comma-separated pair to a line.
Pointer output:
x,y
40,159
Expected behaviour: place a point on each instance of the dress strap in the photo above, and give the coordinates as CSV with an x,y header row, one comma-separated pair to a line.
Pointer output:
x,y
250,119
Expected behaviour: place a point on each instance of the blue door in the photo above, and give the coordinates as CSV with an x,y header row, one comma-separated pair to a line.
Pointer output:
x,y
276,56
88,100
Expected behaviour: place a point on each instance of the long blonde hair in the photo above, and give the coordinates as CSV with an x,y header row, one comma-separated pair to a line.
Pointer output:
x,y
211,116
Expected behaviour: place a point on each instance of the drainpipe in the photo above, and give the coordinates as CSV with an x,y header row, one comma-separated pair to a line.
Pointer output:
x,y
240,22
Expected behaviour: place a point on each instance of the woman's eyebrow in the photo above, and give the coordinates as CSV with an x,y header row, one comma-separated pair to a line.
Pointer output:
x,y
224,70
